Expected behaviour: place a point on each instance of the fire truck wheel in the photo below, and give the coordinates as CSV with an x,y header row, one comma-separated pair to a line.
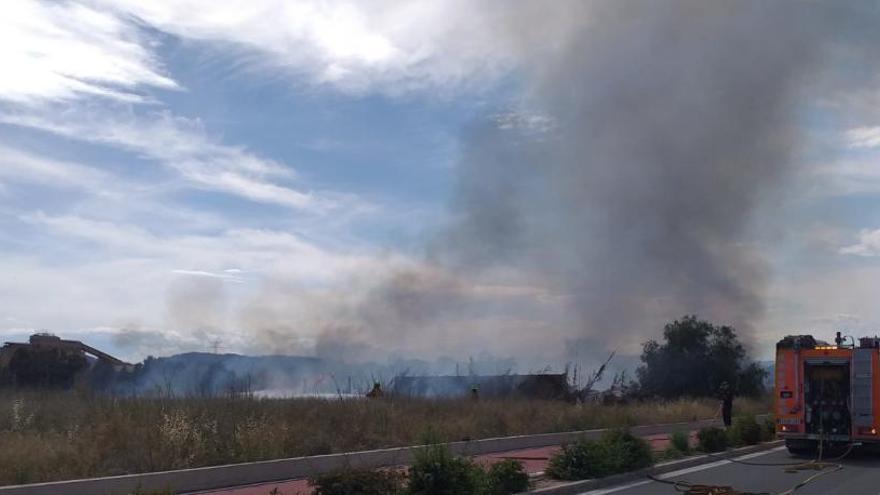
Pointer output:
x,y
801,448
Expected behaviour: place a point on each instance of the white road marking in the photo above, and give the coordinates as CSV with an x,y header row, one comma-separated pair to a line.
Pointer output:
x,y
682,472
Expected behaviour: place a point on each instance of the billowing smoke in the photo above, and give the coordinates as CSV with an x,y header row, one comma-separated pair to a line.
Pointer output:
x,y
619,192
664,125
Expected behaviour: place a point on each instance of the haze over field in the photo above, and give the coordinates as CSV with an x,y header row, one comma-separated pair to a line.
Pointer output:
x,y
542,181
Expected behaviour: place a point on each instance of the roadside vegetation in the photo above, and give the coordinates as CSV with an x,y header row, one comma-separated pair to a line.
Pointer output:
x,y
63,435
436,471
616,452
745,431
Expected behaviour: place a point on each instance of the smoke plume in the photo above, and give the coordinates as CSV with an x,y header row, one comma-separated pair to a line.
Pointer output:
x,y
659,130
622,189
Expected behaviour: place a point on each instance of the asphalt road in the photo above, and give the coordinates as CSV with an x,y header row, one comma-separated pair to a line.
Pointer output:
x,y
860,475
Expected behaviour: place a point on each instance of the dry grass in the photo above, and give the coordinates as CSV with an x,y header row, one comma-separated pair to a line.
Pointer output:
x,y
55,436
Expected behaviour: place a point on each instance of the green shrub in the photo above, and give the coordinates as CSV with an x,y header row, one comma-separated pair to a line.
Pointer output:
x,y
582,459
671,453
712,439
680,441
360,481
768,429
506,477
617,451
141,491
745,431
625,451
437,472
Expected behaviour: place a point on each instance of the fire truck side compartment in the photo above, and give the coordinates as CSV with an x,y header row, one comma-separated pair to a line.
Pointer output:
x,y
862,388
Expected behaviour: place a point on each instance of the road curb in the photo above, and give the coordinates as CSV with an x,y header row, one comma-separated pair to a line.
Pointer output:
x,y
577,487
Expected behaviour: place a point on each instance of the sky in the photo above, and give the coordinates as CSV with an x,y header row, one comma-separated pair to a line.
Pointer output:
x,y
266,174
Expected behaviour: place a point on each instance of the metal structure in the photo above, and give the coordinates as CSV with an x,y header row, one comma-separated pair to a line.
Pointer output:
x,y
53,360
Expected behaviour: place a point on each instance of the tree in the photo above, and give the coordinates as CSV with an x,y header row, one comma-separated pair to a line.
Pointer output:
x,y
694,359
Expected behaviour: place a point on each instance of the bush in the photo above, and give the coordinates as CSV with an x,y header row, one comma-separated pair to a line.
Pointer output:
x,y
363,482
506,477
141,491
580,460
768,429
745,431
437,472
712,439
671,453
680,441
626,451
617,451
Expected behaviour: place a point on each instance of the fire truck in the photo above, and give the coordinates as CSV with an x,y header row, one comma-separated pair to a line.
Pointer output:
x,y
827,392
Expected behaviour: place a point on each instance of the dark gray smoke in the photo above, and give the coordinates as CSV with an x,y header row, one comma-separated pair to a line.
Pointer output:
x,y
662,129
621,191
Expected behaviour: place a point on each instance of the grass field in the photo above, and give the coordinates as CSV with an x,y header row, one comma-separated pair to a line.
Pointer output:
x,y
55,436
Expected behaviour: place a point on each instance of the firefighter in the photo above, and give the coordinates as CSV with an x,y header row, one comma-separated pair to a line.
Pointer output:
x,y
725,393
377,392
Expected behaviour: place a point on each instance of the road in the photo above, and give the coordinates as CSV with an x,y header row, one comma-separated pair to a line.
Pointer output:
x,y
533,461
860,475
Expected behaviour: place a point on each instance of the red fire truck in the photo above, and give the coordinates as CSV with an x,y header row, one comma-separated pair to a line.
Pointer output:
x,y
827,392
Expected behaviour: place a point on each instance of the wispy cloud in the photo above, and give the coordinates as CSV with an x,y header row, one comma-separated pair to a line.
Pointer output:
x,y
18,165
262,251
65,50
390,47
182,145
228,277
868,244
863,137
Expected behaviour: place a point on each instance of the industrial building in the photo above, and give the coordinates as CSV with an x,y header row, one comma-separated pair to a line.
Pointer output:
x,y
47,361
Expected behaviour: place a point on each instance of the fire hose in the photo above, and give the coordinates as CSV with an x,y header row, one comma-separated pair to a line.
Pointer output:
x,y
824,468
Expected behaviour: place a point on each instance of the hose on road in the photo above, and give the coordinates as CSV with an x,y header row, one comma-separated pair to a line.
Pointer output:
x,y
816,464
689,488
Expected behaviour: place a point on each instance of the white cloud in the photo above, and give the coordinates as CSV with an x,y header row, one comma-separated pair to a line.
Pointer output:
x,y
863,137
524,121
203,273
842,176
54,51
389,46
262,251
868,245
183,145
107,234
18,165
64,50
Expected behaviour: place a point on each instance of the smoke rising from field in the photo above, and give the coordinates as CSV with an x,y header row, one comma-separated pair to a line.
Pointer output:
x,y
671,122
619,192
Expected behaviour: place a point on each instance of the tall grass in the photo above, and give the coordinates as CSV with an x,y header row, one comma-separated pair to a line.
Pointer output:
x,y
53,436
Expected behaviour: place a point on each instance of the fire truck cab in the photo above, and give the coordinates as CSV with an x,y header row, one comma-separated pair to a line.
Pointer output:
x,y
827,392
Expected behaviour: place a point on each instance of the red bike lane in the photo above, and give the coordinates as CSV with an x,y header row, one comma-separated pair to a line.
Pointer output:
x,y
534,461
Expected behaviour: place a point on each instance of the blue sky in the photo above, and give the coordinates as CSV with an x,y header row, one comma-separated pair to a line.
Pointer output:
x,y
164,165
